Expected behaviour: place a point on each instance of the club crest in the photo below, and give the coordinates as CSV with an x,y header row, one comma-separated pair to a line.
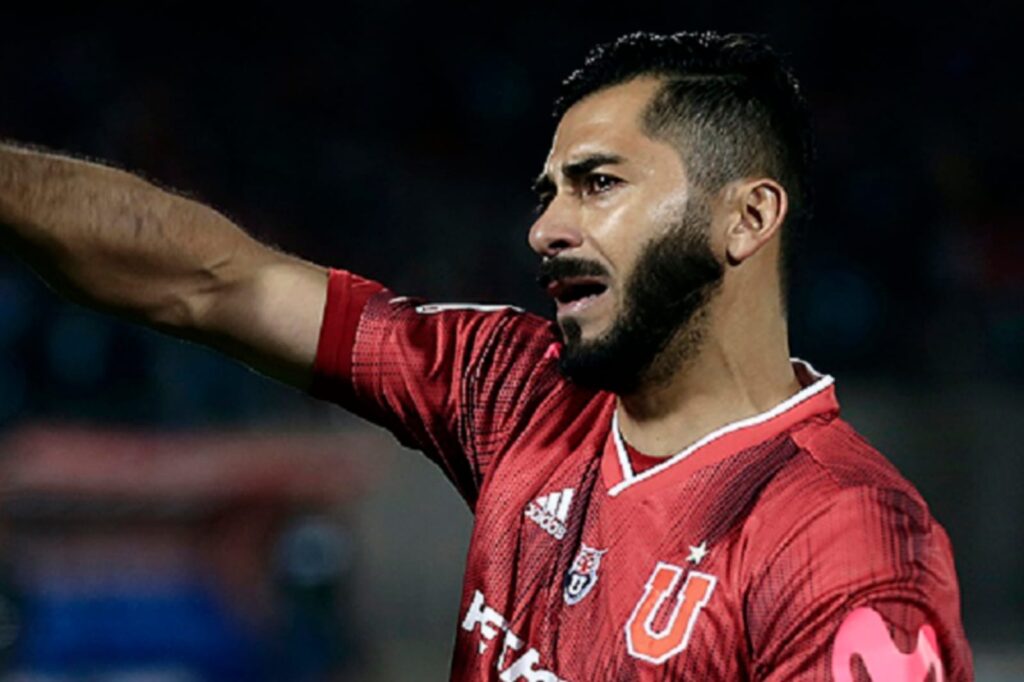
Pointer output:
x,y
582,575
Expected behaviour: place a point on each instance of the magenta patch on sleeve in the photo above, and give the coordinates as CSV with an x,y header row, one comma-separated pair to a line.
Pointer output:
x,y
864,633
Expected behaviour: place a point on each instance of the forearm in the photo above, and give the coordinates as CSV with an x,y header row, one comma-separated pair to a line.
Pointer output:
x,y
112,240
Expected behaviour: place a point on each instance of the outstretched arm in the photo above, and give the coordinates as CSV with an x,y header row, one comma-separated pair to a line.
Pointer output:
x,y
113,241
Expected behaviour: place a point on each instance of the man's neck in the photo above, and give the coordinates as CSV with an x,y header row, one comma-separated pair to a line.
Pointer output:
x,y
731,377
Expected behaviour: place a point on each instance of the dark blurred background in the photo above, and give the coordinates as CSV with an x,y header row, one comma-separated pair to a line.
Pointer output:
x,y
398,139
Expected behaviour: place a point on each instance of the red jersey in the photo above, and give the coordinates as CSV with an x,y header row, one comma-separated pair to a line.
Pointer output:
x,y
779,547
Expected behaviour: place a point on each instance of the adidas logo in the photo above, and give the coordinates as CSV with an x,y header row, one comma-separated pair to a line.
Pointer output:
x,y
551,511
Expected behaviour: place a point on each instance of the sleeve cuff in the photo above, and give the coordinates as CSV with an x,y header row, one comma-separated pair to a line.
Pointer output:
x,y
347,295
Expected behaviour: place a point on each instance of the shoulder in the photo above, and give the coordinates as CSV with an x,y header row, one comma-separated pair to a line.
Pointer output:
x,y
845,456
832,460
838,529
384,304
837,484
466,334
500,361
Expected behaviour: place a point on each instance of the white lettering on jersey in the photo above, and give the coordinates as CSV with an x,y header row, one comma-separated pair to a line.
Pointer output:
x,y
480,616
551,511
432,308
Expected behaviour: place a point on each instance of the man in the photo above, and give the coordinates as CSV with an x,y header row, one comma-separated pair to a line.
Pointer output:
x,y
660,491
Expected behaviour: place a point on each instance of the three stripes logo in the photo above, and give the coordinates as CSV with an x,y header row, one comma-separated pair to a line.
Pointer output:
x,y
551,511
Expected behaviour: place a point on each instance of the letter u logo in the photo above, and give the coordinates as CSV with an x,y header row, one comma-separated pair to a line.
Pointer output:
x,y
657,646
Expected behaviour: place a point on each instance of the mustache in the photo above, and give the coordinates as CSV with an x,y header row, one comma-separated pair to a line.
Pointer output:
x,y
554,269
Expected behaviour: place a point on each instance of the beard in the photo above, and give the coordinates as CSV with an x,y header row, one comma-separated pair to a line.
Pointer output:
x,y
663,318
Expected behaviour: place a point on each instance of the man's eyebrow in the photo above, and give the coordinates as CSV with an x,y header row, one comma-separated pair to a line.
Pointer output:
x,y
580,167
576,169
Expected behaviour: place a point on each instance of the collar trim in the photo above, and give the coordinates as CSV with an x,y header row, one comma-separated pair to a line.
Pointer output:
x,y
816,383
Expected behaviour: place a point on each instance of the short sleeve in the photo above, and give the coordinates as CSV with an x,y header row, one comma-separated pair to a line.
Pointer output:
x,y
863,589
455,381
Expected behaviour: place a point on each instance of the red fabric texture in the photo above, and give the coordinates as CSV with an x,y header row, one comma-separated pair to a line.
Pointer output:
x,y
739,561
641,462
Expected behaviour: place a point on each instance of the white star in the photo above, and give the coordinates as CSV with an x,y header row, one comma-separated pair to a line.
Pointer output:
x,y
697,553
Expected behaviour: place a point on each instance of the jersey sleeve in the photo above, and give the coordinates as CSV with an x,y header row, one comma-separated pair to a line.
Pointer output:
x,y
454,381
864,589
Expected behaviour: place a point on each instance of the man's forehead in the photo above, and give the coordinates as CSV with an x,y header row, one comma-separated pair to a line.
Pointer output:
x,y
606,122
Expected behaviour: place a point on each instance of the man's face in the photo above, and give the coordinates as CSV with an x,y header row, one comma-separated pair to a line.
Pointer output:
x,y
625,241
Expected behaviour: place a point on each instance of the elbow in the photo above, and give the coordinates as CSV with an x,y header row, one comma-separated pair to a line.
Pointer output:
x,y
174,311
184,304
200,304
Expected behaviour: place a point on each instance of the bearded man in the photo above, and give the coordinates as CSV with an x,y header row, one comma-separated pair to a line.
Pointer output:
x,y
660,491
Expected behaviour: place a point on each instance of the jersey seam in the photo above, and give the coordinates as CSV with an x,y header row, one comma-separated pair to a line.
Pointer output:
x,y
467,394
840,488
823,420
469,391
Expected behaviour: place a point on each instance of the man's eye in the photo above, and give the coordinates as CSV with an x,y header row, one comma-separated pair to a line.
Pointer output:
x,y
598,183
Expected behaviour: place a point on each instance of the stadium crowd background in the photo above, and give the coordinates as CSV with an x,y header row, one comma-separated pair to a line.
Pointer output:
x,y
399,139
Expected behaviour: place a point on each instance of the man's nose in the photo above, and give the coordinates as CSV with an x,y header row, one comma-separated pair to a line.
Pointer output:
x,y
554,231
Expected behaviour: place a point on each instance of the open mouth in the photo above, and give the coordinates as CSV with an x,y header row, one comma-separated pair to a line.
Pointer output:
x,y
576,289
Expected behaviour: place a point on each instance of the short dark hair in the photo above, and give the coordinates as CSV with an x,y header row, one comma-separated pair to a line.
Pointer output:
x,y
729,104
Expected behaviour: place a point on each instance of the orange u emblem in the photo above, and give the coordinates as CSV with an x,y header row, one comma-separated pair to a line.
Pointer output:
x,y
642,640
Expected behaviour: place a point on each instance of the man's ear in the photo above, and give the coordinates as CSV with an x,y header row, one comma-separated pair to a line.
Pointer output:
x,y
759,207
